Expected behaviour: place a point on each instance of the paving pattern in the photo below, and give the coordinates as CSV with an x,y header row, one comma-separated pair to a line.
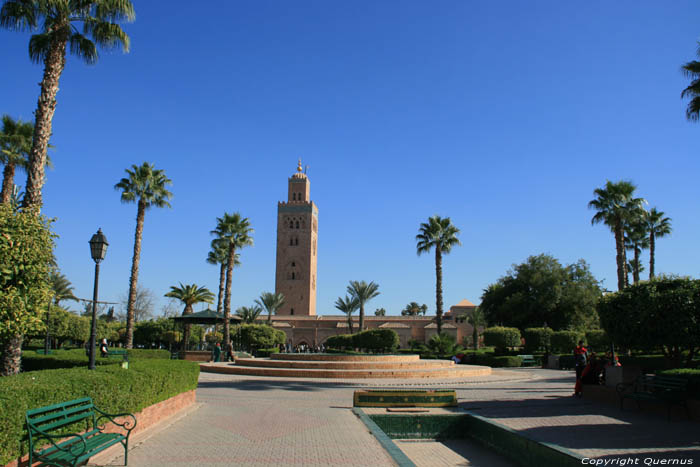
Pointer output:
x,y
247,420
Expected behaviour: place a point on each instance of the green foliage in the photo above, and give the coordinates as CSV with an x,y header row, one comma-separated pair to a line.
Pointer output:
x,y
152,332
26,251
507,361
261,336
502,337
263,353
565,341
692,375
597,340
541,290
537,339
214,337
377,340
112,388
76,358
442,344
341,342
660,314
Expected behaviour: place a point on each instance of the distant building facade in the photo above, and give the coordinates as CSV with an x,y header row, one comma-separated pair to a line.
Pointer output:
x,y
295,278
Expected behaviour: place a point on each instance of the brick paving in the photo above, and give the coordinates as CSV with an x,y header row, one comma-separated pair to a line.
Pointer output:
x,y
247,420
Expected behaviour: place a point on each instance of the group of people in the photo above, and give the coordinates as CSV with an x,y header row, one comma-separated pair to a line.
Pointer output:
x,y
590,369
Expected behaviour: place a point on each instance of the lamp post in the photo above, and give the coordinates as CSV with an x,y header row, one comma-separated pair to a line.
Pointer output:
x,y
98,250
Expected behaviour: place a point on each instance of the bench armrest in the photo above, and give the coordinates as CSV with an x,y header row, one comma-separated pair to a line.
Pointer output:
x,y
623,387
128,424
67,446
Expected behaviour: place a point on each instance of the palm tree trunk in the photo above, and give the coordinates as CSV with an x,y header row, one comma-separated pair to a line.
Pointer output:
x,y
620,257
11,355
133,281
227,296
362,317
635,271
186,334
8,183
222,278
350,322
438,288
652,251
46,106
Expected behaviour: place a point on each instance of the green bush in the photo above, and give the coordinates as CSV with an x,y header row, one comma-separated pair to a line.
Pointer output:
x,y
76,358
491,360
263,353
537,339
112,388
565,341
501,338
647,363
377,340
597,340
691,374
442,344
340,342
261,336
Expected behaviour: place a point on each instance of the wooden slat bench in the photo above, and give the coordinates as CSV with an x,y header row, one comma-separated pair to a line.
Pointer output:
x,y
670,390
53,436
528,360
118,353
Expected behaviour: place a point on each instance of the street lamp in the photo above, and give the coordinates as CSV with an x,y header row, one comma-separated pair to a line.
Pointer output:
x,y
98,250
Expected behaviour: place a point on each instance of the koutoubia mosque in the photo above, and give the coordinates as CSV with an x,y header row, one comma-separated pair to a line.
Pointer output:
x,y
296,279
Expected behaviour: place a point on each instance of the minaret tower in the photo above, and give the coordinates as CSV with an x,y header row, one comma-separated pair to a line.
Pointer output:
x,y
297,231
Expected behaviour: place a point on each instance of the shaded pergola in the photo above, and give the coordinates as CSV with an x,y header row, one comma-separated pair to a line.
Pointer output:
x,y
207,316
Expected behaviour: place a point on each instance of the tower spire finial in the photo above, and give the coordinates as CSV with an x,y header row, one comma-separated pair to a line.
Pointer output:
x,y
299,169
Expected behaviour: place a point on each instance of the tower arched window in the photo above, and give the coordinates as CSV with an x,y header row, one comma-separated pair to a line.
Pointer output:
x,y
291,224
293,265
293,276
296,241
291,241
297,224
292,311
294,196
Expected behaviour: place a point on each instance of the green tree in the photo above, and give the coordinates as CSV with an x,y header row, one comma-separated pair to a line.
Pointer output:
x,y
414,309
636,240
476,319
615,204
540,291
235,232
380,312
145,186
271,302
347,305
658,226
362,292
249,313
440,234
219,255
58,22
261,336
189,295
15,144
691,70
26,252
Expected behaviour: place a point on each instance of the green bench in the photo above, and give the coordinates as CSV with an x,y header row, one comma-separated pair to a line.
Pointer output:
x,y
52,444
670,390
528,360
118,353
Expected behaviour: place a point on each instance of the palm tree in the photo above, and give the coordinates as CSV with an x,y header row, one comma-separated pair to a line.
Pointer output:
x,y
440,234
636,240
61,288
271,302
414,309
362,292
476,318
15,144
380,312
219,255
235,233
616,204
658,226
189,295
248,314
146,186
347,305
691,70
59,28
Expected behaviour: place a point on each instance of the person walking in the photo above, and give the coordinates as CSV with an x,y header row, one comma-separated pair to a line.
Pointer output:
x,y
580,360
103,348
229,352
216,353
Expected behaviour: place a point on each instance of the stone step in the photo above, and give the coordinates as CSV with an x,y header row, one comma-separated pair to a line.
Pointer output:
x,y
344,365
332,357
457,371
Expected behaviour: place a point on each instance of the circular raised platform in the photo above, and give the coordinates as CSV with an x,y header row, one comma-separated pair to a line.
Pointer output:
x,y
336,366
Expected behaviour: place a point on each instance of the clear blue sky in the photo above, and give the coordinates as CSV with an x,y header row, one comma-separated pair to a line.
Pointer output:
x,y
504,116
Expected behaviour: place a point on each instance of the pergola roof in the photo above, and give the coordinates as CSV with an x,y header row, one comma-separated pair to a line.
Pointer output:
x,y
207,316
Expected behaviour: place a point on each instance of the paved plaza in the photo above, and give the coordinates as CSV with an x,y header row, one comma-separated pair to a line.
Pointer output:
x,y
262,421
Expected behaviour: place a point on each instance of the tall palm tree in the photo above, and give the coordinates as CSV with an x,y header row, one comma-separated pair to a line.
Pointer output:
x,y
219,255
658,226
414,309
271,302
248,314
189,295
15,144
235,233
347,305
616,204
57,22
691,70
636,240
438,233
476,318
362,292
145,186
61,288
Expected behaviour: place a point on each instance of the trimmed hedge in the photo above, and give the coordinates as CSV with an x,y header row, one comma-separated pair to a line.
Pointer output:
x,y
112,388
692,375
598,340
565,341
501,338
371,340
537,339
340,342
32,361
263,353
507,361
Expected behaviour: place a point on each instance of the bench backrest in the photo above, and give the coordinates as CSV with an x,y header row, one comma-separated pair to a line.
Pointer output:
x,y
54,417
664,383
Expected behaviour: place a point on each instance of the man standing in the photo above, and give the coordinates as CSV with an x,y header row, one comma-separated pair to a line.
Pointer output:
x,y
580,358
